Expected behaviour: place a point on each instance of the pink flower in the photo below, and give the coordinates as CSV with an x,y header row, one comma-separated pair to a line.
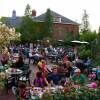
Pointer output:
x,y
92,85
93,75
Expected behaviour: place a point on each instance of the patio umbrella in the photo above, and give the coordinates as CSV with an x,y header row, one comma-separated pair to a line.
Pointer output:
x,y
84,42
76,41
80,42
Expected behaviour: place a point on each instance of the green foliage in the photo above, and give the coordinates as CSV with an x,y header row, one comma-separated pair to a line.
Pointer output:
x,y
88,36
96,54
99,34
48,23
84,52
47,96
27,29
69,37
84,93
85,22
3,19
94,40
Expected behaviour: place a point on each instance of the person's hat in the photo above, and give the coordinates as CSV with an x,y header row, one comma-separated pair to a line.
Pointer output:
x,y
77,70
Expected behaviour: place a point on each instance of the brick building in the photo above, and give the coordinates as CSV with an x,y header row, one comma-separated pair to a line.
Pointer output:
x,y
62,26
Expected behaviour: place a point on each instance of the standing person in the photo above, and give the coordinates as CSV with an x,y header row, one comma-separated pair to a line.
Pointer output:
x,y
5,56
44,68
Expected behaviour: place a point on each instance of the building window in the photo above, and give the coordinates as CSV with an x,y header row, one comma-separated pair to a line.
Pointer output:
x,y
57,19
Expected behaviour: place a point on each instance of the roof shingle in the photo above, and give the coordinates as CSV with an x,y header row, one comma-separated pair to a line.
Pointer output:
x,y
16,22
64,20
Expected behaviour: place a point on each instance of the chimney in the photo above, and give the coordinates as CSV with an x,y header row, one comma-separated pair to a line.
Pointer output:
x,y
33,13
14,14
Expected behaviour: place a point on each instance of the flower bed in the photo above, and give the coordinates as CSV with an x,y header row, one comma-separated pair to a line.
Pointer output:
x,y
84,93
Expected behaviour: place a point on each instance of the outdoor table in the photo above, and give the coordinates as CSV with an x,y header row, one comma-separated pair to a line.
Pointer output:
x,y
14,73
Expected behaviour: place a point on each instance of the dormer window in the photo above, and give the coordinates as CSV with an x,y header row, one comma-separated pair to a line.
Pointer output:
x,y
57,19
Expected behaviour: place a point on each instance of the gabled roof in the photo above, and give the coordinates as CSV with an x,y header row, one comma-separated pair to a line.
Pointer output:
x,y
64,20
16,22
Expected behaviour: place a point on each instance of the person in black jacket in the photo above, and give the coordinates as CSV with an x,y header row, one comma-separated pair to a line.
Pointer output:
x,y
18,61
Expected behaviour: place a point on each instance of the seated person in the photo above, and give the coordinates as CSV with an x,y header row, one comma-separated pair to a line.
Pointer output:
x,y
18,62
2,81
68,69
78,78
5,56
54,77
22,91
40,80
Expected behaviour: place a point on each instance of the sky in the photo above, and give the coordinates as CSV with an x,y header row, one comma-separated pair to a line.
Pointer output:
x,y
72,9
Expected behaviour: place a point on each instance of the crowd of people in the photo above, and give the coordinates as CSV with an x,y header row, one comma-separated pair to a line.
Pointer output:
x,y
65,64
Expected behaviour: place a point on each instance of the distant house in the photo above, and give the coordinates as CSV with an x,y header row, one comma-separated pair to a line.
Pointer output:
x,y
61,25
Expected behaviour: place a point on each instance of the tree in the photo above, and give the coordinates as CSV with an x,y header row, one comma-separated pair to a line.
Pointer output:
x,y
27,10
69,37
7,34
88,36
84,51
30,30
27,29
48,23
85,22
99,33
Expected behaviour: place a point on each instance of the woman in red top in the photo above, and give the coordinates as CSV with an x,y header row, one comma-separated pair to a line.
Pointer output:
x,y
43,68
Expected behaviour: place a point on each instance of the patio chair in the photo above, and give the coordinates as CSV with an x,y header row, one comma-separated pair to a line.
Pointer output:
x,y
15,92
9,83
25,77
